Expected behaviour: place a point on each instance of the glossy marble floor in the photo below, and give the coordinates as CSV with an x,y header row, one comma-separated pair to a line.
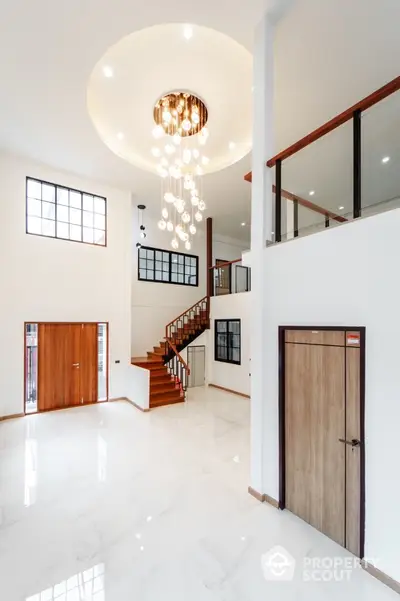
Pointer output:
x,y
104,503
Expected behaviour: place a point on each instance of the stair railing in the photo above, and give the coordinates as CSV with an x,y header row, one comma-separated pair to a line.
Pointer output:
x,y
177,367
198,310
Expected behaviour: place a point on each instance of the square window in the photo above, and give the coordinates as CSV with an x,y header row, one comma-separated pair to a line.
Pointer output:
x,y
62,213
48,228
62,230
48,210
87,202
227,340
100,205
75,216
72,209
88,235
34,225
62,196
34,189
34,207
75,232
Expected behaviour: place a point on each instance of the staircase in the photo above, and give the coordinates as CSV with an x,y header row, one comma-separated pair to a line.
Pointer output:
x,y
168,370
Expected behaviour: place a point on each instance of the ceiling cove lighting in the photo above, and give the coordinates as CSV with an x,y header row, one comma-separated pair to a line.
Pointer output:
x,y
385,159
180,130
120,135
188,32
107,71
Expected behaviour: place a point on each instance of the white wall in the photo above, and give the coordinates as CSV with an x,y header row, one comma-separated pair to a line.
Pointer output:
x,y
235,377
138,386
154,305
346,276
44,279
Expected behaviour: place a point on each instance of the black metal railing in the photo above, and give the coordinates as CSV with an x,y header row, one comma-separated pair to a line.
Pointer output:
x,y
197,314
177,367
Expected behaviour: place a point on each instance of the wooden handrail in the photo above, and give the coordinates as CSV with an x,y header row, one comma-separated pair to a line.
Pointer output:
x,y
180,358
383,92
225,264
187,310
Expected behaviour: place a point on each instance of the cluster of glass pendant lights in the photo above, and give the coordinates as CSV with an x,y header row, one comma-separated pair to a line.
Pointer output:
x,y
181,134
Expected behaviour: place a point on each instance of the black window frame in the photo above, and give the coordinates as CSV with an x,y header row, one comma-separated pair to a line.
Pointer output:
x,y
229,337
170,263
57,204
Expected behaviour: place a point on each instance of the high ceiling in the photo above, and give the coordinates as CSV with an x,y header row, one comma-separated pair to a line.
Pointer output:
x,y
329,54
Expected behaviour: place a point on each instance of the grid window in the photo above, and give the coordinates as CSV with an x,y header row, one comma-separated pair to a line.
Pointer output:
x,y
59,212
157,265
227,340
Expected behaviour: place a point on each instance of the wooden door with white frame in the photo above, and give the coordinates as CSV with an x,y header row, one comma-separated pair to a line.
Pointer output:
x,y
322,430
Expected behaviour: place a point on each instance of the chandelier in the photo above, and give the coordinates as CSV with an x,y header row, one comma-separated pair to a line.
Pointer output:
x,y
181,133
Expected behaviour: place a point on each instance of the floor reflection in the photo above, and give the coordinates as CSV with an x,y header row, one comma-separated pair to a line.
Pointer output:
x,y
84,586
31,468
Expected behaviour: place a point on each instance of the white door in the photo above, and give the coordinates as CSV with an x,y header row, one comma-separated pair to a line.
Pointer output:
x,y
197,365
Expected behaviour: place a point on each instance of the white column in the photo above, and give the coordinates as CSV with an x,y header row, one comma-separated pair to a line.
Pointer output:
x,y
261,227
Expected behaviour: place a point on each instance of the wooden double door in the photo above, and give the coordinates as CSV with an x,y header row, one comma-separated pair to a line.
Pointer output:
x,y
67,365
324,433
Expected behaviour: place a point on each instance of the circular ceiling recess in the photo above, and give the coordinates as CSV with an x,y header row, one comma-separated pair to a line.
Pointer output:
x,y
191,66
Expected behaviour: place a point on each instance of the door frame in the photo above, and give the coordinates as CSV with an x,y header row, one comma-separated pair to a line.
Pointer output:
x,y
205,363
282,415
66,323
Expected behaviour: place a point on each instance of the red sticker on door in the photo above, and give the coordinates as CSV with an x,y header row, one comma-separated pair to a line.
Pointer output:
x,y
353,339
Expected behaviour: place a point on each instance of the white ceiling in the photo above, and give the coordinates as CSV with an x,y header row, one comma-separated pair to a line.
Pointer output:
x,y
329,54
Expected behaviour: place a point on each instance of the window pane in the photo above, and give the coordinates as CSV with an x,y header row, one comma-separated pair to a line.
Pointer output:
x,y
75,199
165,277
150,264
87,219
222,353
99,222
34,189
48,193
48,210
75,216
235,354
87,202
234,327
221,326
174,277
62,213
99,237
158,264
142,253
158,275
34,207
180,278
166,257
99,205
34,225
158,255
142,263
62,196
142,274
62,229
48,227
75,232
88,235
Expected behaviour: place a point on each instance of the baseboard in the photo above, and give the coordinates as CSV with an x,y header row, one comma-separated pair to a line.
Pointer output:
x,y
246,396
124,398
379,575
263,498
14,416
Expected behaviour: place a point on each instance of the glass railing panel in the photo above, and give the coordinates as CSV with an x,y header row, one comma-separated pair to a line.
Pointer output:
x,y
380,155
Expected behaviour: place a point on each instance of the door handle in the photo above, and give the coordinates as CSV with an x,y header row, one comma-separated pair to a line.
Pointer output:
x,y
354,442
75,365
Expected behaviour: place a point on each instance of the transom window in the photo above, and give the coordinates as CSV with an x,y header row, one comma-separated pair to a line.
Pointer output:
x,y
59,212
157,265
227,340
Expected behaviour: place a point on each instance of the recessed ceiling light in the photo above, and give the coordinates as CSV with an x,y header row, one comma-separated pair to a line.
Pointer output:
x,y
107,71
311,193
188,31
120,135
156,152
341,208
243,224
232,145
385,159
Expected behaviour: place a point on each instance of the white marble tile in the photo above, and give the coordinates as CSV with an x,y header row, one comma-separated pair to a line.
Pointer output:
x,y
105,503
